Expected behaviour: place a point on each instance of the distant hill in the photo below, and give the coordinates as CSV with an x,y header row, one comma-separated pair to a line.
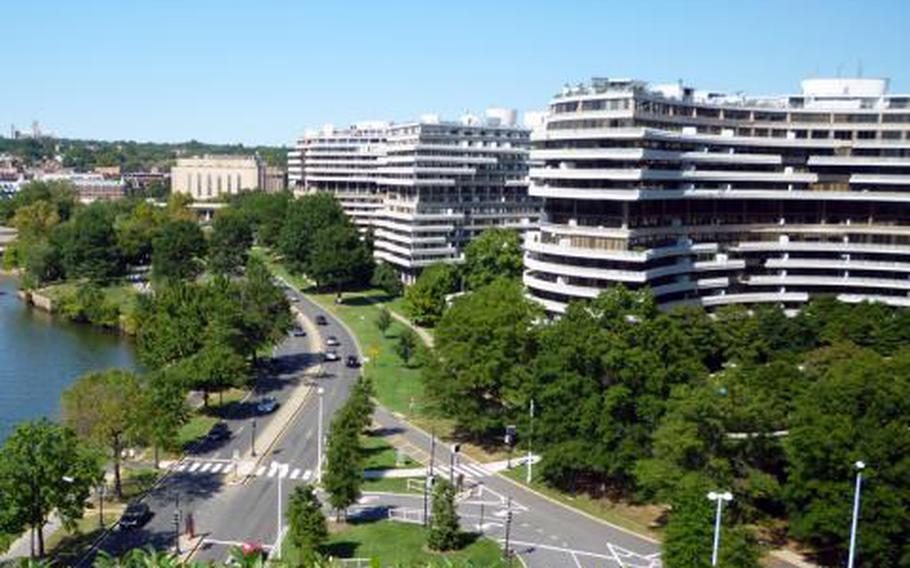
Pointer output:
x,y
84,155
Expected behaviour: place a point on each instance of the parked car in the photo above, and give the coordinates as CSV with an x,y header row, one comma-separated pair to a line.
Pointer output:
x,y
299,332
352,362
320,320
135,515
332,341
267,405
331,355
220,431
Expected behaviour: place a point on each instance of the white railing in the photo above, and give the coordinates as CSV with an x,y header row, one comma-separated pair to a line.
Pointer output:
x,y
402,515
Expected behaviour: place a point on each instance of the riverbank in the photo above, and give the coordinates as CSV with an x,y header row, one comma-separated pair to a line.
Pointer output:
x,y
110,307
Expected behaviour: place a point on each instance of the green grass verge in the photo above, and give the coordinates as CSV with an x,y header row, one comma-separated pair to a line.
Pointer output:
x,y
634,518
379,454
398,387
198,426
388,485
400,544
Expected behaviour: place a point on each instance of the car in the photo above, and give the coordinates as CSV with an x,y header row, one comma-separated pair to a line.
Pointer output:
x,y
299,332
320,320
352,362
331,355
267,404
294,299
332,341
220,431
135,515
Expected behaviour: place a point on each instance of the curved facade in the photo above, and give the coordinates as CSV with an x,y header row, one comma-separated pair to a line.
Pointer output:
x,y
712,200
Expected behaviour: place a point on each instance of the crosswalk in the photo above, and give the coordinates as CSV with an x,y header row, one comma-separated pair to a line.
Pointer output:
x,y
225,467
468,470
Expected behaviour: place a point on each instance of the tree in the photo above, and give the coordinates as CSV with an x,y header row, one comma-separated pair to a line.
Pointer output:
x,y
344,469
339,257
386,279
214,368
266,312
425,300
163,410
483,346
136,231
44,468
229,245
406,345
383,320
91,249
495,253
444,532
102,407
689,534
266,211
172,324
858,409
308,529
176,251
304,218
35,221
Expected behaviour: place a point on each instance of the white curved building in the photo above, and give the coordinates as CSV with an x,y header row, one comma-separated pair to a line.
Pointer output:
x,y
712,199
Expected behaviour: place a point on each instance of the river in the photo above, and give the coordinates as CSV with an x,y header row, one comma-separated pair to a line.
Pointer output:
x,y
40,356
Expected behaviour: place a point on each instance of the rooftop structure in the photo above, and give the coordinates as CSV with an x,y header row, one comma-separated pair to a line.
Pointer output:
x,y
715,199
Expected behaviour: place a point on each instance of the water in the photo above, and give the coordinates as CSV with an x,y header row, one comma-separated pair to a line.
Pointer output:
x,y
40,356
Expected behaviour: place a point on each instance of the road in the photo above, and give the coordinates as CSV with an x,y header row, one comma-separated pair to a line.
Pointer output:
x,y
230,514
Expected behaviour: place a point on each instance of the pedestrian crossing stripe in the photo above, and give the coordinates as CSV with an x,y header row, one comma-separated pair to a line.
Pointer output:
x,y
205,467
194,467
295,474
261,471
216,467
307,475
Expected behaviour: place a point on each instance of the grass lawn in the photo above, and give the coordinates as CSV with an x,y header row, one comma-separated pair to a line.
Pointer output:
x,y
389,485
378,453
637,518
204,418
395,544
124,296
398,387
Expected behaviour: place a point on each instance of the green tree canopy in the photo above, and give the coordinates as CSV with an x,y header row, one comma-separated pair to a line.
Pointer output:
x,y
386,279
176,251
229,245
444,532
91,250
103,407
493,254
425,300
308,529
44,468
339,257
304,218
483,346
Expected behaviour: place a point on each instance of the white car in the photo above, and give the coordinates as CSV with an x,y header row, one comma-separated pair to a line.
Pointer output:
x,y
331,355
332,341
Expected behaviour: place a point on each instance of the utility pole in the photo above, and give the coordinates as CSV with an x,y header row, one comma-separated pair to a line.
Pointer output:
x,y
432,451
427,483
860,466
281,469
253,439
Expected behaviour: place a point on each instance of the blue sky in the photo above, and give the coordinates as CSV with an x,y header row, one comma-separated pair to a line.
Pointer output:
x,y
262,71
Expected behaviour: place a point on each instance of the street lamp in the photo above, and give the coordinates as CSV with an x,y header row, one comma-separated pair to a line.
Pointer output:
x,y
530,434
860,466
320,391
720,498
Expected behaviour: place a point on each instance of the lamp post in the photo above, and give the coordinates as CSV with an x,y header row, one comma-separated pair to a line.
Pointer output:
x,y
453,457
321,392
720,498
860,466
530,434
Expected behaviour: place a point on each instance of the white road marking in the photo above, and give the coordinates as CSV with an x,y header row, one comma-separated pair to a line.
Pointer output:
x,y
205,467
296,473
575,558
180,467
194,467
217,467
307,475
260,471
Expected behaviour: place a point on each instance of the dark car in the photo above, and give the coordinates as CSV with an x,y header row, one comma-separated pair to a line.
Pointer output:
x,y
299,332
267,405
320,320
219,432
135,515
331,355
352,362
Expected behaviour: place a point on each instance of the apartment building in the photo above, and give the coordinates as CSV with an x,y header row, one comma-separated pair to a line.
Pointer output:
x,y
90,187
343,163
712,199
213,176
442,183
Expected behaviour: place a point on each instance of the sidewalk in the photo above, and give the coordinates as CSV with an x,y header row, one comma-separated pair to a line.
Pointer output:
x,y
21,547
